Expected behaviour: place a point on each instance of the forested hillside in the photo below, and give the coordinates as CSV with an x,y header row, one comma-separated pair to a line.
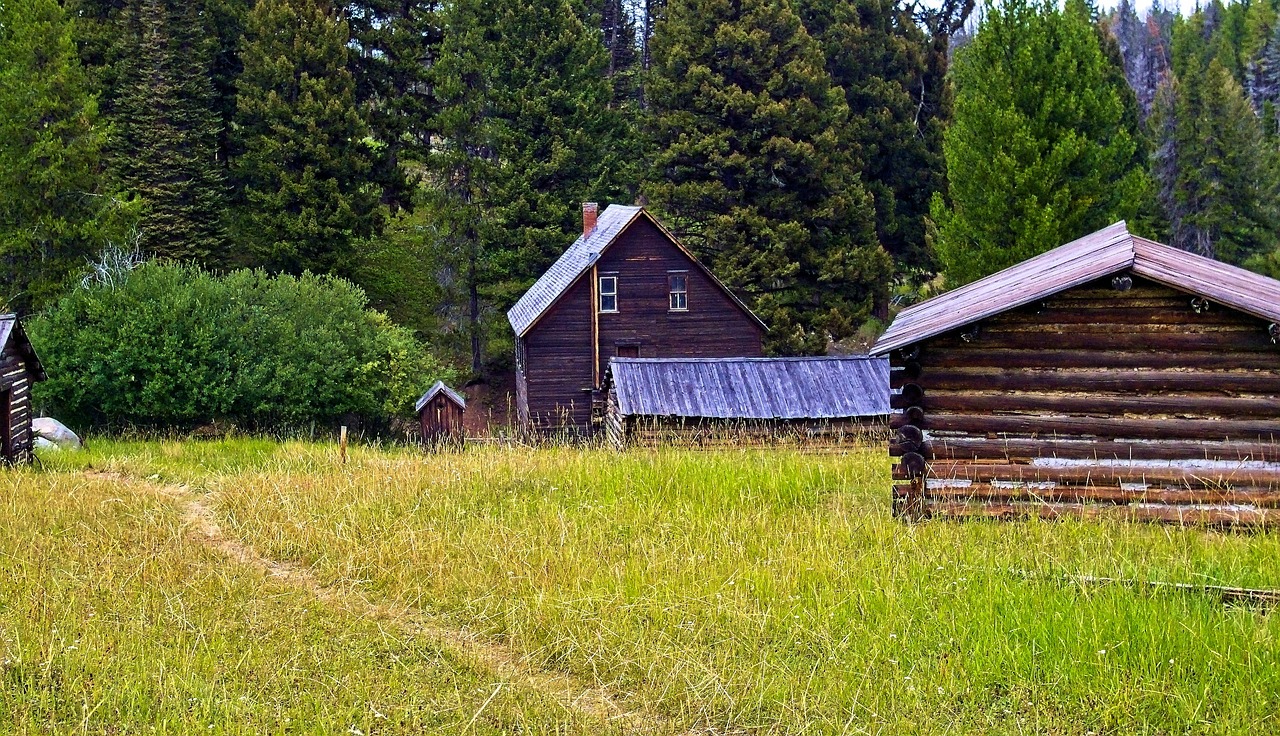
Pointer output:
x,y
827,158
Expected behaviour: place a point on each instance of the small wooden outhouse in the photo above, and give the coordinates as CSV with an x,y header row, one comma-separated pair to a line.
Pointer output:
x,y
1110,377
19,368
440,413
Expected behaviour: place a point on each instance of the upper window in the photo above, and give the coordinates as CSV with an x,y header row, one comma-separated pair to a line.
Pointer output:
x,y
678,284
608,293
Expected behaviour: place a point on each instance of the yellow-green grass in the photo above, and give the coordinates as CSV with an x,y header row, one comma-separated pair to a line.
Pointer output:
x,y
114,620
770,591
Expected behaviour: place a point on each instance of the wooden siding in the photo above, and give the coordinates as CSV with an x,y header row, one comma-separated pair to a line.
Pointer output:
x,y
555,371
16,378
1095,401
440,420
714,326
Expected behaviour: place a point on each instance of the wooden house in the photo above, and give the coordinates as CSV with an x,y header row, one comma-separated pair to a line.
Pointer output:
x,y
19,368
625,288
809,402
440,413
1112,376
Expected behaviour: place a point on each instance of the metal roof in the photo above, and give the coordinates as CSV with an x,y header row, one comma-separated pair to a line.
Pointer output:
x,y
10,326
569,266
580,256
752,388
1105,252
437,388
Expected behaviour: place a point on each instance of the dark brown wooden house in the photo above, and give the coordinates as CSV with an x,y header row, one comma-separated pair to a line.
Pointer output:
x,y
19,368
625,288
1112,376
813,403
440,413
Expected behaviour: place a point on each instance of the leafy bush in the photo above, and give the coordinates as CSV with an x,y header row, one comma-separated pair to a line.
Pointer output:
x,y
174,346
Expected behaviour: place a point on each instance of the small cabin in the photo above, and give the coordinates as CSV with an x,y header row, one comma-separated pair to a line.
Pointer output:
x,y
440,413
1110,377
710,402
19,368
626,288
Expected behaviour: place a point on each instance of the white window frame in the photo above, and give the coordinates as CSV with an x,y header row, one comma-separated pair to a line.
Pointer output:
x,y
674,295
610,293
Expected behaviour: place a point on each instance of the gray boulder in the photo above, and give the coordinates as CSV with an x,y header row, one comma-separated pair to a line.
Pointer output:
x,y
51,430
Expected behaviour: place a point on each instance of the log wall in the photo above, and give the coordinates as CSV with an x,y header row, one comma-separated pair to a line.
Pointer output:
x,y
1118,398
15,381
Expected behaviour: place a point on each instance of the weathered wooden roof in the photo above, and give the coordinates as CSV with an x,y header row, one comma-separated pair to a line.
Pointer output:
x,y
11,329
439,387
580,256
752,388
1108,251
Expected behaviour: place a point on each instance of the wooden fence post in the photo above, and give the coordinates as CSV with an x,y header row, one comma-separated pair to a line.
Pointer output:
x,y
342,443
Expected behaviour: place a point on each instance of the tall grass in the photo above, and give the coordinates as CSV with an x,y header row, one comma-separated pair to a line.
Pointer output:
x,y
770,590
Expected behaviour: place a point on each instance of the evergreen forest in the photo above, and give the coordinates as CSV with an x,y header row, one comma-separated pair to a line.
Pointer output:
x,y
830,160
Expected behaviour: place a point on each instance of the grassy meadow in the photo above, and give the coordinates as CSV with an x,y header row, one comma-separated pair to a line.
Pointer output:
x,y
755,591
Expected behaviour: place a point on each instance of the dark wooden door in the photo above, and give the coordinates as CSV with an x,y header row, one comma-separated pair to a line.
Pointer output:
x,y
6,424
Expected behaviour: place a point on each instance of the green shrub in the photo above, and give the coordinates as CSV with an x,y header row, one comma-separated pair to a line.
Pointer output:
x,y
174,346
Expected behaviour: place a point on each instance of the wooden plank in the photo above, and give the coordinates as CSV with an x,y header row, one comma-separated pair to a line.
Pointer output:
x,y
1189,516
1266,383
983,493
1195,429
979,356
1102,474
1122,340
1099,405
964,448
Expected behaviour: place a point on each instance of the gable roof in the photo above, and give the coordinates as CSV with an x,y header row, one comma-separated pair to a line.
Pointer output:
x,y
752,388
1105,252
11,330
582,255
437,388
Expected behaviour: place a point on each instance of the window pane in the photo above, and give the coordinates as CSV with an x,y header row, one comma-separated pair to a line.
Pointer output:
x,y
679,294
608,293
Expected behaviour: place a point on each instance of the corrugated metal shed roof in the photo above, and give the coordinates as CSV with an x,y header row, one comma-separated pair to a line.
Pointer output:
x,y
569,266
1094,256
752,388
437,388
9,327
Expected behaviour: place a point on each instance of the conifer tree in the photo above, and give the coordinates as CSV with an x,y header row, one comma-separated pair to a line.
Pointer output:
x,y
753,167
1041,150
526,134
166,144
55,207
303,167
877,54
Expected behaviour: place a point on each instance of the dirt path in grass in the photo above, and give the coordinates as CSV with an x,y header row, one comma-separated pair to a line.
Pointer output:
x,y
504,662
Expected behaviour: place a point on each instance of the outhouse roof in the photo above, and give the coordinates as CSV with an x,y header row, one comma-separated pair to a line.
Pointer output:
x,y
11,331
437,388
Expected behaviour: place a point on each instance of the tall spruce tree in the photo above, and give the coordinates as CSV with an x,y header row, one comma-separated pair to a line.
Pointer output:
x,y
55,207
167,131
303,165
1041,150
878,55
754,168
526,134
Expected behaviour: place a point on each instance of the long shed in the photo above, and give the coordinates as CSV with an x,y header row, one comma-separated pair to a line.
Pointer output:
x,y
820,401
626,288
19,369
1112,376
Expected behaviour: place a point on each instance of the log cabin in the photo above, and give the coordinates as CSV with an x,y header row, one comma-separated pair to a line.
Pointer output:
x,y
19,369
625,288
812,403
440,412
1110,377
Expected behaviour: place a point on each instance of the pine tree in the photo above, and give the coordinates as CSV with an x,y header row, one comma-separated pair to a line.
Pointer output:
x,y
526,134
55,207
878,55
167,132
1040,150
754,169
303,166
1210,167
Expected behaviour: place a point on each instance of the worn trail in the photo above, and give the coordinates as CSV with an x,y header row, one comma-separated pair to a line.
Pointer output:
x,y
504,662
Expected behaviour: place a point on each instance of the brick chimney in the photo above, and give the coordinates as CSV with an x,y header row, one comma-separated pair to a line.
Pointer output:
x,y
588,217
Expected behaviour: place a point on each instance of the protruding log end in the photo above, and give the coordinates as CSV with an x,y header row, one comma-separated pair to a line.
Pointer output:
x,y
970,333
1200,305
912,394
1122,283
909,353
1273,330
915,465
914,415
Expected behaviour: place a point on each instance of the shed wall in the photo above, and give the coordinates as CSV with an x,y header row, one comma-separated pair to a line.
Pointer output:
x,y
1090,401
15,378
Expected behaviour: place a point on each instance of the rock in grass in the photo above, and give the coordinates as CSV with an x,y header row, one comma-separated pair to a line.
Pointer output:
x,y
55,432
43,444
